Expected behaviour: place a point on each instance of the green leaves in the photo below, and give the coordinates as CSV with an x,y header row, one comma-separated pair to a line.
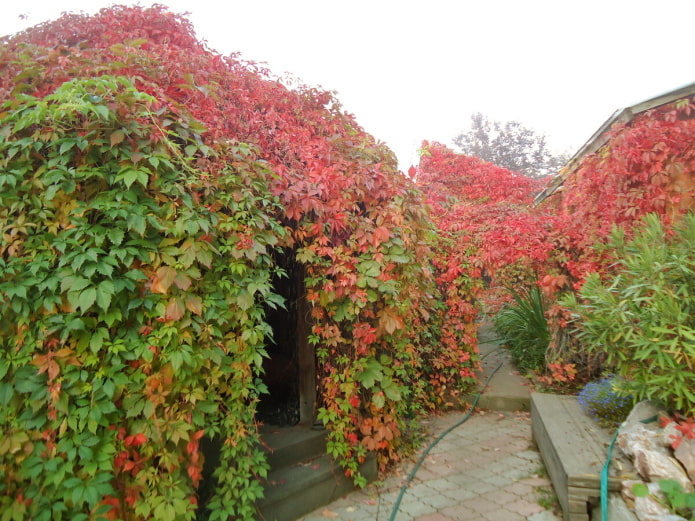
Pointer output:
x,y
522,325
146,242
119,305
129,175
378,376
673,497
643,318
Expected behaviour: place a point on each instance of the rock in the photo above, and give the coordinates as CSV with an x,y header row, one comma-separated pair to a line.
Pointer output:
x,y
685,454
618,509
650,447
653,465
634,433
643,411
635,437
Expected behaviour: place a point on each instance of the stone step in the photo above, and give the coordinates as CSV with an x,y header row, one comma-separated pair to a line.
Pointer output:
x,y
506,390
289,445
293,491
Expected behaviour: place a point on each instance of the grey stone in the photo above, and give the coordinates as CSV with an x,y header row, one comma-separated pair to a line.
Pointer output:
x,y
685,454
618,509
653,466
649,508
641,412
634,432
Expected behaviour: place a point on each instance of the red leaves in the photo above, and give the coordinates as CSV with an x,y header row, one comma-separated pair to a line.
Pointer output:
x,y
130,460
646,166
135,440
378,431
380,235
175,309
685,428
162,280
195,467
50,362
356,224
484,211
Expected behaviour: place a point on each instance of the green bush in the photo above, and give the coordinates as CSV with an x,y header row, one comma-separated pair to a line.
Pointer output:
x,y
643,318
522,326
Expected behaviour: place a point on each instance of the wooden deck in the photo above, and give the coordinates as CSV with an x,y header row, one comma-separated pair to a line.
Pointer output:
x,y
574,449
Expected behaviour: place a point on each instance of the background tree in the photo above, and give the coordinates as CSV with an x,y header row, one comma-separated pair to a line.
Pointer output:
x,y
510,145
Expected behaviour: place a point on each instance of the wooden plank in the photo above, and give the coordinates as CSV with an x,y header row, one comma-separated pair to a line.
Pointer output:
x,y
551,458
582,444
306,357
594,482
574,450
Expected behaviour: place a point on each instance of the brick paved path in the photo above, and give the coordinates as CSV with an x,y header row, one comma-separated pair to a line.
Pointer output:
x,y
486,469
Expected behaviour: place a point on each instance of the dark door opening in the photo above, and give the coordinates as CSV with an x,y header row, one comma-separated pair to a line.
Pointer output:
x,y
290,369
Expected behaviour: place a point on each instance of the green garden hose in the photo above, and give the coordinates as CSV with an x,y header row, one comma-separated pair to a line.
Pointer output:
x,y
604,479
604,472
439,438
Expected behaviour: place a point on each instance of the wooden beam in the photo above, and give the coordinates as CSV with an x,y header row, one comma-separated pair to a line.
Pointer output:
x,y
306,355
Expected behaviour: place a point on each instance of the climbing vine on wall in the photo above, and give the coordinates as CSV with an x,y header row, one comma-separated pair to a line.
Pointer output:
x,y
129,326
147,182
485,211
645,166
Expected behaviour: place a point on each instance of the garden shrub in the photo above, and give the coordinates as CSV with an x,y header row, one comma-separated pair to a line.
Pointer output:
x,y
643,317
523,327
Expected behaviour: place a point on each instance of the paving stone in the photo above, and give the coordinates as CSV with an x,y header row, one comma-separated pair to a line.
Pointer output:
x,y
415,508
503,514
530,455
440,500
420,490
483,470
546,515
501,497
480,504
461,513
516,474
521,489
498,481
482,487
460,494
444,484
434,516
526,507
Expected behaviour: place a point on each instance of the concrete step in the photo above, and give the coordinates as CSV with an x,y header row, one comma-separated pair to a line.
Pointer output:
x,y
287,446
293,491
507,390
302,476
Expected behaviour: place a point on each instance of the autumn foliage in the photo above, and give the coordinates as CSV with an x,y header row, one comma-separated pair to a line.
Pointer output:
x,y
485,209
645,166
148,187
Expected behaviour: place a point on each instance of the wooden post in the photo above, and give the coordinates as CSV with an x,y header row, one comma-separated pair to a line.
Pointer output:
x,y
306,356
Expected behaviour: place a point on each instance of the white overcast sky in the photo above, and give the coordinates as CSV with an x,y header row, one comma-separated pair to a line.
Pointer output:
x,y
413,70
